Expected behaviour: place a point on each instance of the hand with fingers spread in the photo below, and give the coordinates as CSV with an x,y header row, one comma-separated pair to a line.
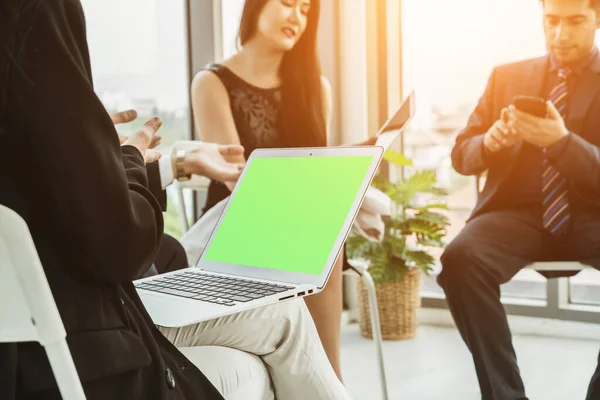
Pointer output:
x,y
210,160
541,132
142,140
125,117
501,135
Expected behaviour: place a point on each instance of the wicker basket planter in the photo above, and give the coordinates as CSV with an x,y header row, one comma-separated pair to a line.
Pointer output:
x,y
398,304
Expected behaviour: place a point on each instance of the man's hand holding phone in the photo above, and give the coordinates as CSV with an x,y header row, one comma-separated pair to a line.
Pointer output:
x,y
542,128
501,135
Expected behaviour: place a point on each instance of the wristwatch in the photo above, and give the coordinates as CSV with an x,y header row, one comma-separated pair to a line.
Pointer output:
x,y
180,174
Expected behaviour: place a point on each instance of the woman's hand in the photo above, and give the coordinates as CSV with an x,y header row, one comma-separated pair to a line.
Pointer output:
x,y
209,160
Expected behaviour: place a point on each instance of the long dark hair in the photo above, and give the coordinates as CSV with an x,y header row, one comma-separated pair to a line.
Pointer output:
x,y
301,121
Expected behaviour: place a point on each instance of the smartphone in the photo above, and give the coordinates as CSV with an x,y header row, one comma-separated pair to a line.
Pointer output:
x,y
531,105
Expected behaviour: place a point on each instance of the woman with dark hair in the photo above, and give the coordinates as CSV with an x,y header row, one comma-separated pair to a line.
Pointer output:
x,y
272,94
96,227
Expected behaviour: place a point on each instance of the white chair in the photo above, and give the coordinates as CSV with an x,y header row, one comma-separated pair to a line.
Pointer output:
x,y
27,309
201,184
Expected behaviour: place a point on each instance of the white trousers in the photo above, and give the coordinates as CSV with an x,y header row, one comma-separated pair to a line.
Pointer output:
x,y
272,351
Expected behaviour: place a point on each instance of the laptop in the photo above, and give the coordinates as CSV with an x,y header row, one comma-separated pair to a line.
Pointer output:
x,y
277,239
397,123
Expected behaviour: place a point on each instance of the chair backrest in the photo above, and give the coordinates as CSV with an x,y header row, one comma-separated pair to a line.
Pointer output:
x,y
27,309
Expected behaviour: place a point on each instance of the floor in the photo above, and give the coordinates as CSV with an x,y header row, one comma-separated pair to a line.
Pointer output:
x,y
437,366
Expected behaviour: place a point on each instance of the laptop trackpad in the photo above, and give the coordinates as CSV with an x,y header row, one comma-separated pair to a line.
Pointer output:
x,y
160,307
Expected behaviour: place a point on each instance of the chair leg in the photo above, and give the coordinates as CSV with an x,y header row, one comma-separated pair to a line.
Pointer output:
x,y
64,371
376,328
185,225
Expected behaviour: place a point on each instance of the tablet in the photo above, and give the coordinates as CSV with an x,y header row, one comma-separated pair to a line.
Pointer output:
x,y
393,127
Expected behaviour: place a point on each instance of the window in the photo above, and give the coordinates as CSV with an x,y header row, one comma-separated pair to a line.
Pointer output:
x,y
449,50
230,22
139,61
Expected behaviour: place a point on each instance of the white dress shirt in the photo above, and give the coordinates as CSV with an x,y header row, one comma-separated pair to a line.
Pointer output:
x,y
167,175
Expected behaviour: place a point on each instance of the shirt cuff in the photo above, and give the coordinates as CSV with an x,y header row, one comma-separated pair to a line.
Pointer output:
x,y
558,148
166,171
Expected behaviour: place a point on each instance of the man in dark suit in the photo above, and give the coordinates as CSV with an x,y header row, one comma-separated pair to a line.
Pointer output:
x,y
541,198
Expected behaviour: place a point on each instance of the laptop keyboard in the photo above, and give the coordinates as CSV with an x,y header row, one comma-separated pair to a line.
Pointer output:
x,y
215,289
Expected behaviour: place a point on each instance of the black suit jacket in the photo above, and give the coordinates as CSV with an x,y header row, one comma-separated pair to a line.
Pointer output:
x,y
580,161
95,224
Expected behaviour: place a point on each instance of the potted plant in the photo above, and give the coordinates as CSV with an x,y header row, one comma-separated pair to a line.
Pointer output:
x,y
415,228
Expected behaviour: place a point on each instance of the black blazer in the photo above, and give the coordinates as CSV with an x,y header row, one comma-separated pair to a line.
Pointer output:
x,y
580,162
95,224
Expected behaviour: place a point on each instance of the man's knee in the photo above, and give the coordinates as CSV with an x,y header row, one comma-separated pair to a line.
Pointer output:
x,y
457,262
286,310
293,308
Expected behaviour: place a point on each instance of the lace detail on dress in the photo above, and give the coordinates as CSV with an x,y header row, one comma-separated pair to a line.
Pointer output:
x,y
255,115
255,110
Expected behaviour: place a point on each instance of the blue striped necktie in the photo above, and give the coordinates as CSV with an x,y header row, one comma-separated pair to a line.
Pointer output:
x,y
555,208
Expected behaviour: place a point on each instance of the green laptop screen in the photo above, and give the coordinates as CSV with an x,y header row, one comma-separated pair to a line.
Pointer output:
x,y
288,212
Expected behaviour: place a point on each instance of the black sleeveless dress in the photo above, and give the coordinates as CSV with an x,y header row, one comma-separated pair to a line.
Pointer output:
x,y
255,111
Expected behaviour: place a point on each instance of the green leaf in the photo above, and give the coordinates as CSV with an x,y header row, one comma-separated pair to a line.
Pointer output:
x,y
397,158
432,217
432,206
422,182
359,247
419,221
380,182
431,242
438,191
421,259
